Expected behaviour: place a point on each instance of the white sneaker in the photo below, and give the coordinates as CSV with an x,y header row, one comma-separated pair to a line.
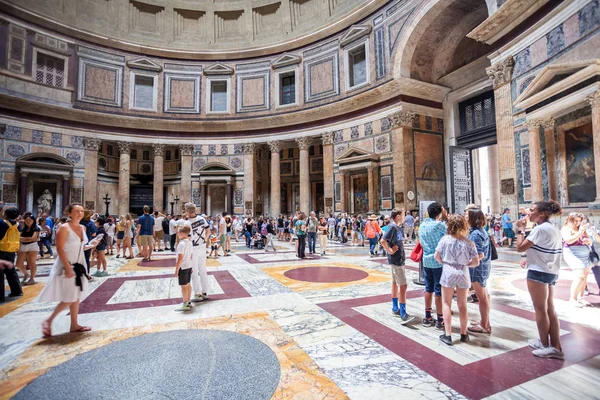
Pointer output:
x,y
197,298
535,344
549,352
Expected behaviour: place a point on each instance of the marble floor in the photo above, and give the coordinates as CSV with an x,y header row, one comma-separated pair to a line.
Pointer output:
x,y
328,322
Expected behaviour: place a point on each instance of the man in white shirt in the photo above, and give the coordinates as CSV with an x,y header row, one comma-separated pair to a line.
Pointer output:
x,y
331,223
158,230
200,236
222,234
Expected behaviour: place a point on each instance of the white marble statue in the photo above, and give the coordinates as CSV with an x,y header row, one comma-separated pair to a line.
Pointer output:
x,y
44,203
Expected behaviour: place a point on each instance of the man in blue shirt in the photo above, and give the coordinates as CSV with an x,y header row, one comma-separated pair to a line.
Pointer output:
x,y
145,230
507,227
431,231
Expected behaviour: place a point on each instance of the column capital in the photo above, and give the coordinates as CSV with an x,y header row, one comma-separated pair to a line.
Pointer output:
x,y
304,142
548,124
92,143
186,149
327,138
534,123
275,146
249,148
501,73
402,119
124,147
159,149
594,99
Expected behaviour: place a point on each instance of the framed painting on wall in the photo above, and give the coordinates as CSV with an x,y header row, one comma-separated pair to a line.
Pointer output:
x,y
581,172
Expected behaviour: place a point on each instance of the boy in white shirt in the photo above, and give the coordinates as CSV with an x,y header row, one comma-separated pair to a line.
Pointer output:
x,y
183,269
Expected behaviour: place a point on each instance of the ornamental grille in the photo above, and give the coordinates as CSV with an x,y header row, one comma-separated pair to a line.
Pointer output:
x,y
477,113
49,70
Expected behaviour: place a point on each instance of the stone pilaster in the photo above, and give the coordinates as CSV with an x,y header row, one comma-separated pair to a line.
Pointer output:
x,y
373,185
304,144
345,190
275,198
186,151
494,179
328,177
90,173
249,181
158,188
535,160
501,75
594,101
548,126
124,176
403,157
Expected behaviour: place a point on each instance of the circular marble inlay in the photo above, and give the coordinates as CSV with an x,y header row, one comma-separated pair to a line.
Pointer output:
x,y
15,150
326,274
181,364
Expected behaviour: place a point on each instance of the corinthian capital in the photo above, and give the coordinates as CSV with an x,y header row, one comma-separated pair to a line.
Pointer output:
x,y
402,119
534,124
304,142
275,146
124,147
249,148
159,149
501,73
92,144
594,99
327,138
186,149
548,124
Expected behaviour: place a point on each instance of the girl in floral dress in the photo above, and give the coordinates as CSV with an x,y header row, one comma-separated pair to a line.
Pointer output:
x,y
456,253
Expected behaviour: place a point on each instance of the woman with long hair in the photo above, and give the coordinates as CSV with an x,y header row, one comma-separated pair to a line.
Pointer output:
x,y
576,252
300,228
66,283
544,247
29,249
128,236
120,235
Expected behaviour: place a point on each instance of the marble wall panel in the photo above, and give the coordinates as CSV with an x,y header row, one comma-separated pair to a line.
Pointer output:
x,y
182,93
431,190
100,83
253,91
321,77
429,156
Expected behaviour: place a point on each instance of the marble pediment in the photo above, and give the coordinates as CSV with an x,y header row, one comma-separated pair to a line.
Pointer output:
x,y
144,64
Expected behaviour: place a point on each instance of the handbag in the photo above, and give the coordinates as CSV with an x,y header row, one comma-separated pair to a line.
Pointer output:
x,y
417,254
493,250
594,259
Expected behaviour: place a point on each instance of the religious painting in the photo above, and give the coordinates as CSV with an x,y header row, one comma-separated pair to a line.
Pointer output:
x,y
581,176
507,186
360,186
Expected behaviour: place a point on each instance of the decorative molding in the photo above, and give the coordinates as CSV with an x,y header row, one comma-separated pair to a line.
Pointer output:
x,y
327,138
186,149
533,124
82,90
92,144
501,73
159,149
218,69
286,59
124,147
249,148
354,33
402,119
100,55
304,142
275,145
594,99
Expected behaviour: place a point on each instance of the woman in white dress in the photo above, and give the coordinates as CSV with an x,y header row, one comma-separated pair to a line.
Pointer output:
x,y
62,284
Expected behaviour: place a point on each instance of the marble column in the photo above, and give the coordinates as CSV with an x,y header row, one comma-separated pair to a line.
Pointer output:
x,y
328,177
66,193
304,144
23,192
476,177
594,101
203,196
186,151
124,175
275,198
90,174
494,179
158,184
501,76
229,194
249,182
344,191
551,159
373,185
535,160
403,157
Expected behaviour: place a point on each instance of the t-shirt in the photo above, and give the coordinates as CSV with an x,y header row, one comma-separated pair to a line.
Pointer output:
x,y
50,223
158,223
482,244
28,232
222,226
198,226
393,236
505,223
331,221
185,247
173,227
298,231
545,254
165,226
110,229
312,224
456,253
280,222
430,234
146,224
323,225
409,221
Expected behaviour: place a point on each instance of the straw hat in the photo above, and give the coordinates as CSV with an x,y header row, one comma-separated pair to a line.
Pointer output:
x,y
373,217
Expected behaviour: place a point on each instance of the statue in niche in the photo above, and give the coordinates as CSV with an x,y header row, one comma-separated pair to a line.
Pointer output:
x,y
44,203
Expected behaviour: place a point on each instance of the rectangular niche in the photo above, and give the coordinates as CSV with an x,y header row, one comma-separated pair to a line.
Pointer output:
x,y
189,23
146,18
266,19
217,95
228,25
143,91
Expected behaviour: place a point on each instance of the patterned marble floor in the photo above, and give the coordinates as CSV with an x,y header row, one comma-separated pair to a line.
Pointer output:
x,y
333,338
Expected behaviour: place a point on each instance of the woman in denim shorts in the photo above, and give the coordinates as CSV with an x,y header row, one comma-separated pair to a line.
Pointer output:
x,y
544,250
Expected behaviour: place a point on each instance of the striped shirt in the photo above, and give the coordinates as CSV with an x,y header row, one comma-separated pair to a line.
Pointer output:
x,y
546,252
430,234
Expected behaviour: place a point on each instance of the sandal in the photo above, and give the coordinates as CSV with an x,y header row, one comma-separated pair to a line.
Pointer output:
x,y
81,329
46,329
585,303
479,329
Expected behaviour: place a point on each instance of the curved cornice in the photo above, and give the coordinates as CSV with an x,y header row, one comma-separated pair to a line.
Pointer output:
x,y
353,17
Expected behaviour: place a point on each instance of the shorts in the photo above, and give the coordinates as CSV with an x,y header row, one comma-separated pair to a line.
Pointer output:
x,y
185,276
158,235
145,240
480,273
29,247
399,274
214,247
120,235
222,240
509,233
101,247
542,277
280,230
229,233
432,280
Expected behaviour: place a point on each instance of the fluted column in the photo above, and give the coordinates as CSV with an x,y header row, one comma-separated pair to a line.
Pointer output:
x,y
403,157
249,182
90,173
158,188
494,179
551,159
328,178
535,160
594,101
186,151
124,174
275,200
501,76
304,144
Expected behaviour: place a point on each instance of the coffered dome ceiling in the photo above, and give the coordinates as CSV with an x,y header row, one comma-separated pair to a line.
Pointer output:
x,y
202,29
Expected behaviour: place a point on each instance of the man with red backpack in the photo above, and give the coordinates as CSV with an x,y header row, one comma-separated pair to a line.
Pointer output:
x,y
9,245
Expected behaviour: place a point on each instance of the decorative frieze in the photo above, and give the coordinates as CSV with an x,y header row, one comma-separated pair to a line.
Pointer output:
x,y
402,119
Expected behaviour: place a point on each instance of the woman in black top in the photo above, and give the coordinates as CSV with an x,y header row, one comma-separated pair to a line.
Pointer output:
x,y
29,248
248,232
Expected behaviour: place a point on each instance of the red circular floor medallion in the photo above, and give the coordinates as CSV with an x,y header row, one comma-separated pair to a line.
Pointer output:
x,y
326,274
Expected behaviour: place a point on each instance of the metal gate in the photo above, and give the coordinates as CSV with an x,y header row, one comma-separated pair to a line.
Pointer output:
x,y
462,178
